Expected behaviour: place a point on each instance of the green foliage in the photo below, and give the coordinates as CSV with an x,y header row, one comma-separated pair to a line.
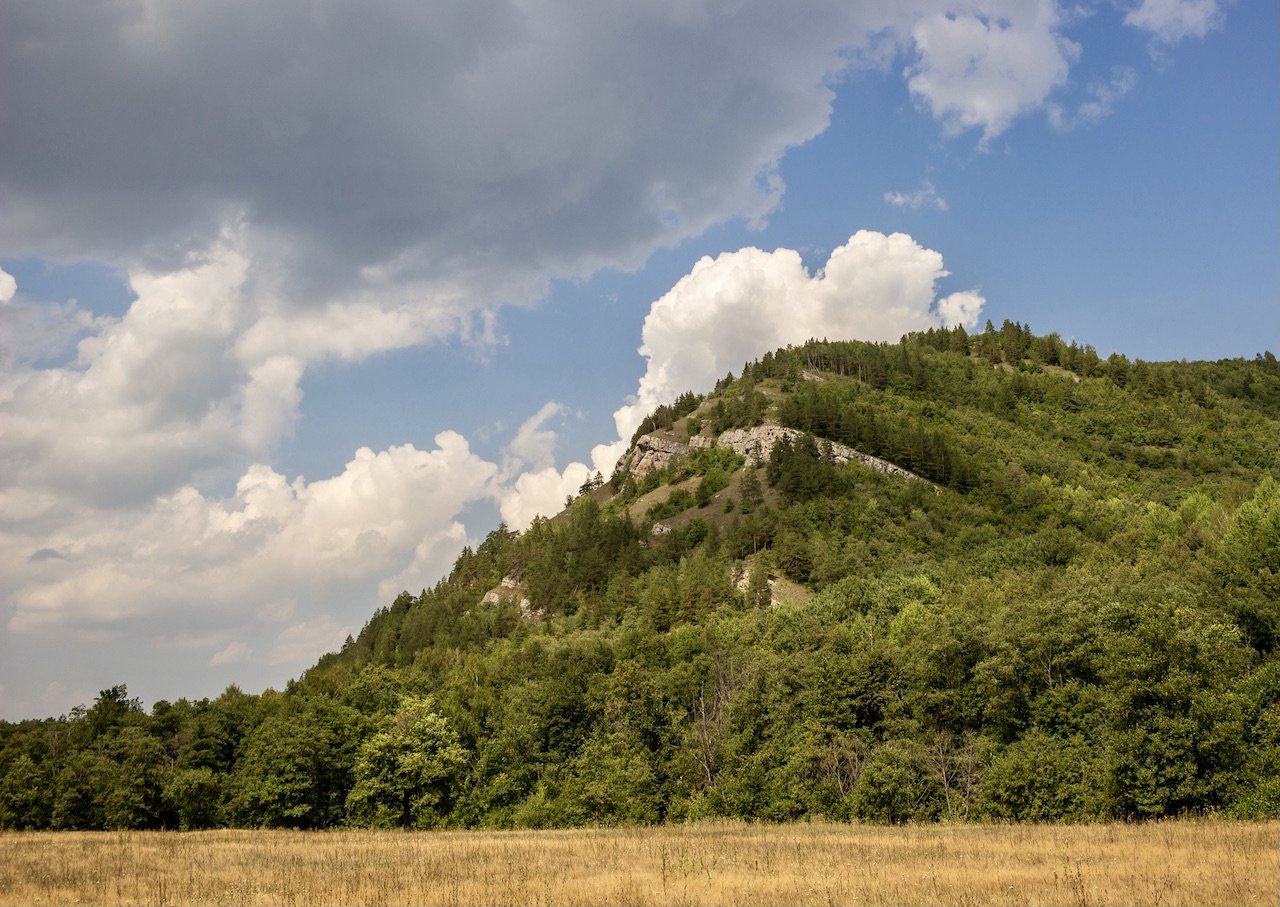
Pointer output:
x,y
296,767
404,774
896,786
195,796
1041,778
24,795
1076,618
666,416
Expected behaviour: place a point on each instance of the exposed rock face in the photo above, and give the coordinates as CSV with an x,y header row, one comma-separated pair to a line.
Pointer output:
x,y
756,444
510,590
649,453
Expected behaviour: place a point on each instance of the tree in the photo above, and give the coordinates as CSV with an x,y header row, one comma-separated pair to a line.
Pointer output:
x,y
1042,778
112,708
133,797
752,492
895,786
613,782
296,768
194,795
24,795
1251,566
405,773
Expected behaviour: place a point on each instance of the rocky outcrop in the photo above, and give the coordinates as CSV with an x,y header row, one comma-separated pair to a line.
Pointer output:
x,y
756,444
651,452
656,451
510,589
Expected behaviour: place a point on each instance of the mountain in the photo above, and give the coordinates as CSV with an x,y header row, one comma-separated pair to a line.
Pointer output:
x,y
961,576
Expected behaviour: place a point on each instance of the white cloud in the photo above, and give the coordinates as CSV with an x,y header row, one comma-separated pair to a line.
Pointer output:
x,y
541,492
32,332
961,309
299,645
387,513
1169,21
983,64
431,559
1102,99
531,485
736,307
59,699
233,653
8,286
152,398
534,444
201,375
925,197
742,304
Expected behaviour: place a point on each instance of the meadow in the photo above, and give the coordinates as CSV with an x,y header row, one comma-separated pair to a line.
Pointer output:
x,y
1161,863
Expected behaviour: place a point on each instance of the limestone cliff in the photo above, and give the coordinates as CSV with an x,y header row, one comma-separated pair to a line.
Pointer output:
x,y
656,450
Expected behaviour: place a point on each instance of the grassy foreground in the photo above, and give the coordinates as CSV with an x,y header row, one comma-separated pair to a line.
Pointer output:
x,y
1182,862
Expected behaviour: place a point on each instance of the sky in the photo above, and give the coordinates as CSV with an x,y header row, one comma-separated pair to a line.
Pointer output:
x,y
297,299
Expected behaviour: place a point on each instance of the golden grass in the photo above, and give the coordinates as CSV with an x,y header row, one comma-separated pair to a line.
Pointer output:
x,y
1167,863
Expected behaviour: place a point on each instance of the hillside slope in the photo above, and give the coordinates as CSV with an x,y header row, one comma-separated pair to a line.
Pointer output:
x,y
960,576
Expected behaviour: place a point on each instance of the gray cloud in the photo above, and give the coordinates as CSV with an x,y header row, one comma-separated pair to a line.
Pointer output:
x,y
449,138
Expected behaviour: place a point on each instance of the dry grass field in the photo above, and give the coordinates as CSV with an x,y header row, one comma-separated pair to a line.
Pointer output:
x,y
1183,862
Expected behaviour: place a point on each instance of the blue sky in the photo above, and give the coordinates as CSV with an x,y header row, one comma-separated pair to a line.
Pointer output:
x,y
303,301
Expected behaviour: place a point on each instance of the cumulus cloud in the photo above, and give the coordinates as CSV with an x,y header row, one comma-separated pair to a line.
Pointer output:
x,y
386,513
736,307
33,333
961,309
983,64
1169,21
534,444
530,485
925,197
298,645
151,398
742,304
233,653
541,492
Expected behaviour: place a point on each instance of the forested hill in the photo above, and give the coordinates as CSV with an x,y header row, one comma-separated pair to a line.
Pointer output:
x,y
961,576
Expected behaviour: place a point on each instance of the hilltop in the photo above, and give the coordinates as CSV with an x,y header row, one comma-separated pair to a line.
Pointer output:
x,y
960,576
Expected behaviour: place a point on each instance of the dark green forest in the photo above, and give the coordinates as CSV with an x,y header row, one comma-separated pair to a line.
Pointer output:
x,y
1073,613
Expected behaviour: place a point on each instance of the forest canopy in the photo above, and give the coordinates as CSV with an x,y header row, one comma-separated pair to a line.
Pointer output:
x,y
1069,609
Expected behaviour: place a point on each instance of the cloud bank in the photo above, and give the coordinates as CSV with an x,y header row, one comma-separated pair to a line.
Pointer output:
x,y
390,174
403,158
271,540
